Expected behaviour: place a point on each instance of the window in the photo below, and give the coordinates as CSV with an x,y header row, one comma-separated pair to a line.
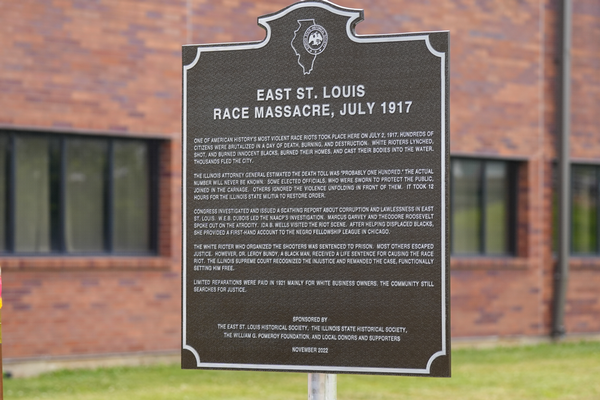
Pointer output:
x,y
3,190
76,194
584,209
483,207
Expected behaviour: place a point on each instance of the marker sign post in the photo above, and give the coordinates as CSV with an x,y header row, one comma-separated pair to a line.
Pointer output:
x,y
315,199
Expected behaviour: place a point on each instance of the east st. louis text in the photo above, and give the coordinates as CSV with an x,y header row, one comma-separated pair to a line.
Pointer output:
x,y
310,110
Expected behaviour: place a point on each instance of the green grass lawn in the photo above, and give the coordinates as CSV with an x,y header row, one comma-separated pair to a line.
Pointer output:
x,y
561,371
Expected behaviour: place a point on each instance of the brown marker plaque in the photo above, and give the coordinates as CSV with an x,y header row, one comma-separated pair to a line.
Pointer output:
x,y
315,199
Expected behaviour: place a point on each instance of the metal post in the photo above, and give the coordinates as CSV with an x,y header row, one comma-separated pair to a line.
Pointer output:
x,y
322,387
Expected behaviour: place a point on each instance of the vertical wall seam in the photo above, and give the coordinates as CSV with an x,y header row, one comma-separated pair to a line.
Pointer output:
x,y
188,22
561,273
541,186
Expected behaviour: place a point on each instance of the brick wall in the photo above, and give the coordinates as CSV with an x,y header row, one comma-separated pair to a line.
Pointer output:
x,y
583,303
106,67
113,67
76,311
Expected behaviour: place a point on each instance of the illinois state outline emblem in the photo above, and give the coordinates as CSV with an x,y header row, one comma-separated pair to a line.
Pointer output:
x,y
310,40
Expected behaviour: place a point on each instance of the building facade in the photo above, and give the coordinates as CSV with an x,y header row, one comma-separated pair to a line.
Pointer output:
x,y
90,164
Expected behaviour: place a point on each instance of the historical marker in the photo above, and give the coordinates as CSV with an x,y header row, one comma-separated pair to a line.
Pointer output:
x,y
315,200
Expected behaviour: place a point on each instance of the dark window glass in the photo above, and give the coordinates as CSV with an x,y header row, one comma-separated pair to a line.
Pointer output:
x,y
131,196
482,207
56,195
466,203
555,211
585,210
85,195
3,189
32,191
496,211
73,194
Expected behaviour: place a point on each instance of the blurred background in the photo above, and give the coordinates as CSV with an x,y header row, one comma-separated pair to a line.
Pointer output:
x,y
90,167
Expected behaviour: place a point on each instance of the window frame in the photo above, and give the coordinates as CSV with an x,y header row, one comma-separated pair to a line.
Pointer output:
x,y
58,235
512,168
572,252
